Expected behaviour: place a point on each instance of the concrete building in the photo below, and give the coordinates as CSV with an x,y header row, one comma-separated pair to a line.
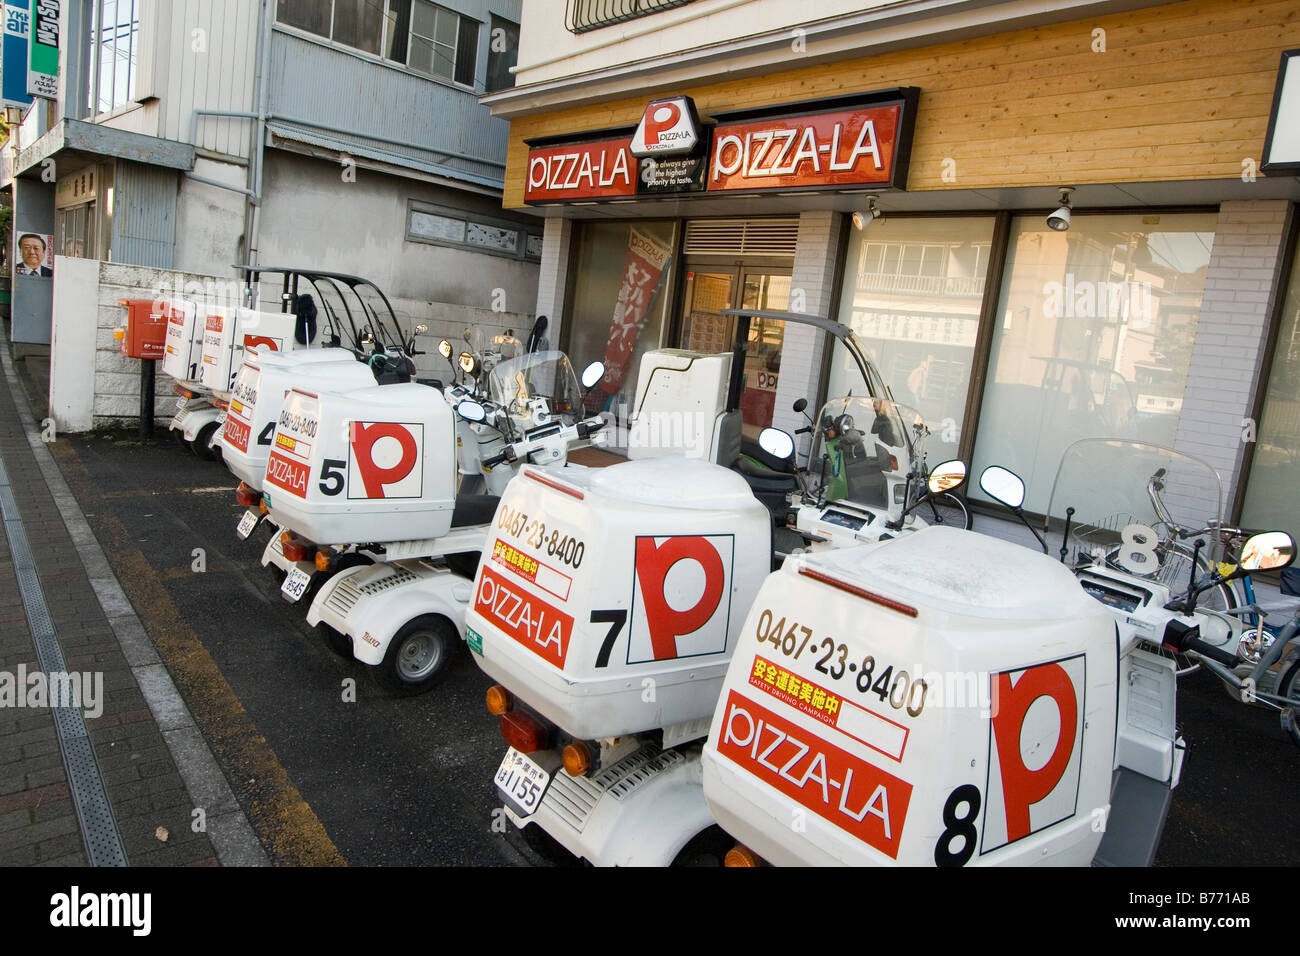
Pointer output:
x,y
341,135
1152,317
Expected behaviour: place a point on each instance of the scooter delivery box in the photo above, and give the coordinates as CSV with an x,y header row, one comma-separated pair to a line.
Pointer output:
x,y
942,698
609,599
229,331
368,466
183,344
260,388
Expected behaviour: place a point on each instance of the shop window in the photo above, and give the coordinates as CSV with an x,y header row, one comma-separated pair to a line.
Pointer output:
x,y
1093,338
415,33
915,306
452,227
623,275
113,55
503,53
1275,463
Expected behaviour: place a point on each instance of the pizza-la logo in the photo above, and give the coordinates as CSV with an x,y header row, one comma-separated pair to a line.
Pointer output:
x,y
670,127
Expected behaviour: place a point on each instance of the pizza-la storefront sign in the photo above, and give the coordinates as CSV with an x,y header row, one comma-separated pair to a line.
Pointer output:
x,y
859,141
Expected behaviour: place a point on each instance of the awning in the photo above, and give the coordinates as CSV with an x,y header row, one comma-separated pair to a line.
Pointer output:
x,y
412,157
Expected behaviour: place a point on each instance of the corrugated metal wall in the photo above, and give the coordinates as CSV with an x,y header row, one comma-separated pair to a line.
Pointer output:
x,y
350,95
144,215
204,56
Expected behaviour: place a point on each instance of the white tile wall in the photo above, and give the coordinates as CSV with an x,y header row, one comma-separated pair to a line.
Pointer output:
x,y
1245,269
815,259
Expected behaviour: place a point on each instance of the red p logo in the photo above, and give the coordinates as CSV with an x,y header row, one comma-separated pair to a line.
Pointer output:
x,y
665,622
1022,787
659,119
374,477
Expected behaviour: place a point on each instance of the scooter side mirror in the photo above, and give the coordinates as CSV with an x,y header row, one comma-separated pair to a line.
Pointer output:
x,y
471,411
1003,485
947,475
776,443
469,364
800,404
1267,551
592,374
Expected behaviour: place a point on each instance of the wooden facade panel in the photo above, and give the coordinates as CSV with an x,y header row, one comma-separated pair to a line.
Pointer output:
x,y
1182,92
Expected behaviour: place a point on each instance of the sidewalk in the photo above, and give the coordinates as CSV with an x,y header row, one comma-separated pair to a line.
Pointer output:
x,y
97,783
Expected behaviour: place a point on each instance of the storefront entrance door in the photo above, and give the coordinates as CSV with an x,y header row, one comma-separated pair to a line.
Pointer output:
x,y
709,290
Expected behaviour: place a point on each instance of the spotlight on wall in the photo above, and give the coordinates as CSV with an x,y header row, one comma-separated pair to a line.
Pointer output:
x,y
1060,220
862,219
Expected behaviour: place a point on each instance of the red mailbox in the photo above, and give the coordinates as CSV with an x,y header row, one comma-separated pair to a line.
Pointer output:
x,y
146,328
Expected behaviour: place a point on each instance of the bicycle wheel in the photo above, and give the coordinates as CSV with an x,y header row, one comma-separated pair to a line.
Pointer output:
x,y
1174,574
946,509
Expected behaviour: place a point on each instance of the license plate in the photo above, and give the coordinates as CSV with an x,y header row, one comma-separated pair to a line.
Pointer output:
x,y
221,419
246,525
295,584
522,780
180,405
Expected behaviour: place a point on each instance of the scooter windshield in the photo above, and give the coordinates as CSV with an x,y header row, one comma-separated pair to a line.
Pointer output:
x,y
1137,508
540,386
863,450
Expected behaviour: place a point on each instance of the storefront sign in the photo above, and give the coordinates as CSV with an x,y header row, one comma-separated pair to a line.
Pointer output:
x,y
642,272
600,170
17,15
1282,142
43,66
670,127
844,148
859,141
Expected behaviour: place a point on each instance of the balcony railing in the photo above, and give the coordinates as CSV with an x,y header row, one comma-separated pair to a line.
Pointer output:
x,y
928,285
584,15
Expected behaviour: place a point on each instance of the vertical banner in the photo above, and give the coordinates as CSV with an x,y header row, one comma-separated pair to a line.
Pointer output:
x,y
13,83
43,71
642,274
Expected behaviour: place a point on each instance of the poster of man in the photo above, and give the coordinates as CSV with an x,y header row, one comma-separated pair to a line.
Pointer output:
x,y
35,257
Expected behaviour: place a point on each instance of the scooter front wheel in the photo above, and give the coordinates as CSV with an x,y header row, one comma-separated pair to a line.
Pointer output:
x,y
1289,687
418,656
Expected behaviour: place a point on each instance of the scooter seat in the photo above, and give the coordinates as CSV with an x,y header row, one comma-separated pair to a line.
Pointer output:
x,y
473,510
753,469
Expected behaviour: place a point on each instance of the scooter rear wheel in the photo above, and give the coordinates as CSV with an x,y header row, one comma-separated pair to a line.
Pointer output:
x,y
418,656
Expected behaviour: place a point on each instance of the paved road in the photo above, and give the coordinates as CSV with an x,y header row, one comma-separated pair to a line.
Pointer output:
x,y
408,781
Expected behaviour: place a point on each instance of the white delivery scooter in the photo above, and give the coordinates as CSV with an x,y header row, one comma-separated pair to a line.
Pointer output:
x,y
608,612
350,356
195,421
868,479
370,476
918,738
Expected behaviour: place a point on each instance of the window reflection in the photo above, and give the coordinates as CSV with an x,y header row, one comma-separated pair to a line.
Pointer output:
x,y
1093,340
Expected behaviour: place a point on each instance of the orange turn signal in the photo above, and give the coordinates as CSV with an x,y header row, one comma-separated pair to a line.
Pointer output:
x,y
246,496
323,560
498,700
577,759
740,855
261,506
183,392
